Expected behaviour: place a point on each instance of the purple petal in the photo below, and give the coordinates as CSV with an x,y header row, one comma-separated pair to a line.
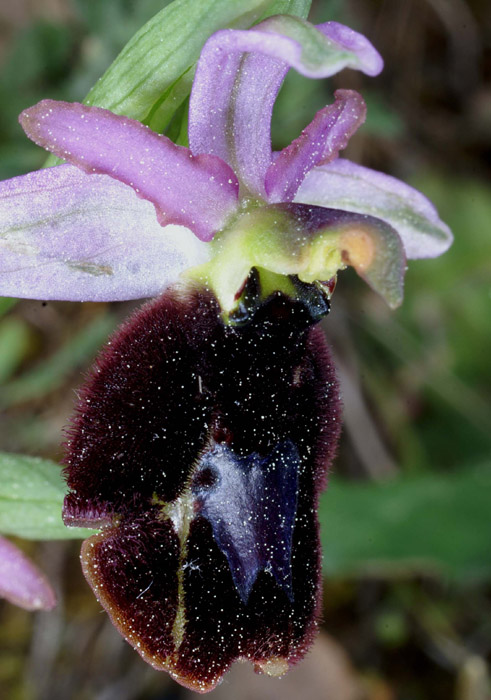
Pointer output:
x,y
65,235
199,192
233,95
351,187
319,143
21,582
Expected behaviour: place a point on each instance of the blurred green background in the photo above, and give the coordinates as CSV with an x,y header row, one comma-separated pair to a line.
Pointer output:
x,y
406,522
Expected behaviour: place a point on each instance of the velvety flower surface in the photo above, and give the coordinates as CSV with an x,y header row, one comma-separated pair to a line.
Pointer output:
x,y
202,438
201,450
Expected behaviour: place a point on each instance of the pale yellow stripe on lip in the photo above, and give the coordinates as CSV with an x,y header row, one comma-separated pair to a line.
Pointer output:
x,y
180,512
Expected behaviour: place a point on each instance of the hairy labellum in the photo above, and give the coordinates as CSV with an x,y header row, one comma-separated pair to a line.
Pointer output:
x,y
200,449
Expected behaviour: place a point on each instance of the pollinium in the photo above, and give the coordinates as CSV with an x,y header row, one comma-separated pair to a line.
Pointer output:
x,y
199,448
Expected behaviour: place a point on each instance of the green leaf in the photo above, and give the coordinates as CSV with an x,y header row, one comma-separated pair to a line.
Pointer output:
x,y
15,341
31,498
6,303
433,523
300,8
52,372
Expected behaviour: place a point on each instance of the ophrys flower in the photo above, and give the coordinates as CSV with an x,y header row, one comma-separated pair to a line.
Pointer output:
x,y
200,446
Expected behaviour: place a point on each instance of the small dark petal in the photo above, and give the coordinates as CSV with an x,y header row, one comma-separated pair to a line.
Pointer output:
x,y
78,512
205,447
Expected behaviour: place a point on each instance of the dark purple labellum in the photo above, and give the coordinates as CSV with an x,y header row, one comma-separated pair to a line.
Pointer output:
x,y
200,449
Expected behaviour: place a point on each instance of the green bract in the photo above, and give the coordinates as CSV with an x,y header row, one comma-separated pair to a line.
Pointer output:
x,y
31,498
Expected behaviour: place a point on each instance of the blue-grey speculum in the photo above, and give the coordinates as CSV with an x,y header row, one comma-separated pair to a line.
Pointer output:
x,y
251,503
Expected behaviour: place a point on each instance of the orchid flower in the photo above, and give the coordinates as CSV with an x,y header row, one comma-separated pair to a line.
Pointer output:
x,y
201,439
